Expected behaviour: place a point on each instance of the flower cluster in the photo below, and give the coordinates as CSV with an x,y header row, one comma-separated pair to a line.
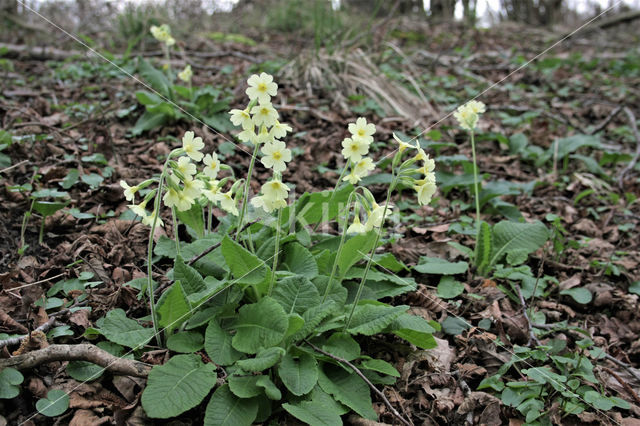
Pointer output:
x,y
355,149
468,114
186,74
261,128
184,185
163,34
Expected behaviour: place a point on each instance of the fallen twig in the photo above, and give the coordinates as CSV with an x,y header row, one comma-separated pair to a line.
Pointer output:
x,y
624,384
81,352
363,377
634,372
532,335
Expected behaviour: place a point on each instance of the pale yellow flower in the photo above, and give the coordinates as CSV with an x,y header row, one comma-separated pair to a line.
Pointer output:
x,y
129,191
421,155
186,74
212,165
184,202
267,205
468,114
376,216
275,190
171,197
264,114
352,178
425,188
248,135
241,117
361,130
402,145
148,220
261,87
186,167
356,227
212,191
363,167
354,149
227,202
428,166
276,155
163,34
192,188
280,130
192,146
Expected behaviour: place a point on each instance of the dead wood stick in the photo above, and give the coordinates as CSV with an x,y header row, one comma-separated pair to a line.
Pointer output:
x,y
363,377
81,352
624,384
633,371
636,134
606,121
532,335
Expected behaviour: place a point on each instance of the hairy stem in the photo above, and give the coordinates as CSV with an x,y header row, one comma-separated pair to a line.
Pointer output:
x,y
245,194
276,253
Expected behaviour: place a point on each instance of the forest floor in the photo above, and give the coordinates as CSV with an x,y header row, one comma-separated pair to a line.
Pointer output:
x,y
557,144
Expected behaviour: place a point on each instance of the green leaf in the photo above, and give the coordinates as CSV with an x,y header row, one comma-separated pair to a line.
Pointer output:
x,y
244,265
92,179
173,308
154,77
598,401
454,325
296,294
10,378
514,236
566,146
244,386
434,265
226,409
313,317
416,330
448,287
300,261
634,288
70,179
314,208
355,249
177,386
148,121
192,282
217,344
342,345
348,389
380,366
299,373
264,359
124,331
313,413
260,325
148,98
56,403
193,218
84,371
372,319
517,257
270,389
47,208
579,294
482,254
185,342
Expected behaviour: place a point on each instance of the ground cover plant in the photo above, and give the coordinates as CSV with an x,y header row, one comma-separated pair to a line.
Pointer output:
x,y
354,232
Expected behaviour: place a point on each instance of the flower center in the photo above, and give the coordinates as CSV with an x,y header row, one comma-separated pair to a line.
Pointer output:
x,y
361,132
264,111
262,87
354,147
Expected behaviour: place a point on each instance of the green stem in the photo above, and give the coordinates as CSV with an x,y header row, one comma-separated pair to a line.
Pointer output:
x,y
394,182
41,235
175,230
209,218
156,210
245,195
23,228
339,253
275,255
475,182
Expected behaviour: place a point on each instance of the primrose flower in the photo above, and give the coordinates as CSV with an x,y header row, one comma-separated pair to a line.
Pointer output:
x,y
402,145
363,167
264,114
261,87
421,155
279,130
178,199
354,149
241,117
129,191
186,74
148,219
163,34
276,155
375,217
192,188
468,114
352,178
264,136
248,135
227,202
267,205
356,227
275,190
212,165
363,131
212,191
186,167
428,166
192,146
425,188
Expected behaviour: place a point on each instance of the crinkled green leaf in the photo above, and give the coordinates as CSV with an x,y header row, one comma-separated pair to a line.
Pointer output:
x,y
124,331
177,386
296,294
186,341
192,282
342,345
244,265
226,409
217,344
299,373
264,359
348,389
260,325
434,265
299,260
371,319
173,308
